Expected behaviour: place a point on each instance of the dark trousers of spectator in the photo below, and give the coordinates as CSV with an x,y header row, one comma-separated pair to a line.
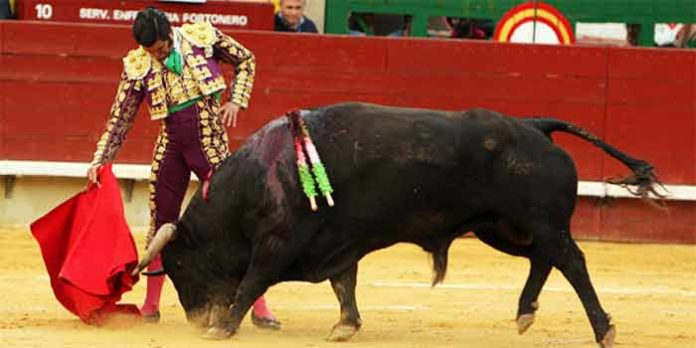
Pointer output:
x,y
5,12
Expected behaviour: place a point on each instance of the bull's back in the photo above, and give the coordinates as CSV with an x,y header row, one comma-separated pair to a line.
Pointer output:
x,y
360,135
414,169
357,137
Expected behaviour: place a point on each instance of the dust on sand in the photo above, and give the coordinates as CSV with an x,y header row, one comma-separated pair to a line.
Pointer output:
x,y
650,291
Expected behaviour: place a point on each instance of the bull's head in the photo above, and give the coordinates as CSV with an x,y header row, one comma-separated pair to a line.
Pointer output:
x,y
206,276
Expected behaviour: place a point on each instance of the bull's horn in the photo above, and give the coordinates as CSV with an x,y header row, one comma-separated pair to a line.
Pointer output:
x,y
162,237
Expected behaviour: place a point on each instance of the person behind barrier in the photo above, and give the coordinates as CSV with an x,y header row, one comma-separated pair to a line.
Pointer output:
x,y
6,9
291,18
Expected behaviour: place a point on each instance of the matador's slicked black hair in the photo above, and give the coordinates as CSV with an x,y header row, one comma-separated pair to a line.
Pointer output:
x,y
151,25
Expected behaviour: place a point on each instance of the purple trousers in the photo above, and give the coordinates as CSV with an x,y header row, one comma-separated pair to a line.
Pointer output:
x,y
183,154
190,140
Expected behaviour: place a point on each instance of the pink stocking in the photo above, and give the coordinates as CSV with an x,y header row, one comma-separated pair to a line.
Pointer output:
x,y
154,288
260,308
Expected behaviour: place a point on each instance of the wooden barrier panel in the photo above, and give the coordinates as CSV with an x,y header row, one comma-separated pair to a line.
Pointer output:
x,y
57,83
650,110
630,220
3,93
71,76
520,80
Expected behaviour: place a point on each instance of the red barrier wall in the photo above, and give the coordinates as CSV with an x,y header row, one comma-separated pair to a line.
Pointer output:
x,y
57,82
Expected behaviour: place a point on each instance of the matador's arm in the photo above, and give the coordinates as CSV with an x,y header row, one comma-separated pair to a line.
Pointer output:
x,y
128,98
230,51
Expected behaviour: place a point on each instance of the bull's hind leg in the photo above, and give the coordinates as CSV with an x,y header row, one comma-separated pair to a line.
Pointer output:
x,y
343,286
539,270
565,255
501,238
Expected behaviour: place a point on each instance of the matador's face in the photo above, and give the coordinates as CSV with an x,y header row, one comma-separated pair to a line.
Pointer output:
x,y
160,50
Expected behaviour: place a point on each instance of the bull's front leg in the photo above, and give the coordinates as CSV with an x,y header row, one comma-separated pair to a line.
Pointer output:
x,y
226,324
349,323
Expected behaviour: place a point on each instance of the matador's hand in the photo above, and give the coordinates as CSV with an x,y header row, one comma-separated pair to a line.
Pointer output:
x,y
92,177
228,114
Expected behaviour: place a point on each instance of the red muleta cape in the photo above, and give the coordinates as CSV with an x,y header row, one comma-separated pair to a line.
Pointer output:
x,y
89,251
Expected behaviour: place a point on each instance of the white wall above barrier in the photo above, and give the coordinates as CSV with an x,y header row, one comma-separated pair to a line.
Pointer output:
x,y
142,172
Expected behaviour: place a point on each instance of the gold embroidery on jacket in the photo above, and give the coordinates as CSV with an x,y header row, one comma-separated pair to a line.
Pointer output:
x,y
158,92
123,111
212,134
231,51
201,34
137,64
167,89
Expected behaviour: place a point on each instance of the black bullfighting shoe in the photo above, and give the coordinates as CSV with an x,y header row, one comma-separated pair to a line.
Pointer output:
x,y
265,322
151,318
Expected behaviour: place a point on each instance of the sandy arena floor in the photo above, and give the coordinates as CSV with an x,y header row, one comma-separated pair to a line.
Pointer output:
x,y
650,290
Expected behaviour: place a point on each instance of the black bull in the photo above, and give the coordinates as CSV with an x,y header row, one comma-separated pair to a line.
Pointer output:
x,y
399,175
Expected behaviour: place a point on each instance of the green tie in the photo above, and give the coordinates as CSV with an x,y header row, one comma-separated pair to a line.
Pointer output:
x,y
174,61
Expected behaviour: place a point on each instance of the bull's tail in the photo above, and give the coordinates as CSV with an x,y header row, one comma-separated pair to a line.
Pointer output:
x,y
643,182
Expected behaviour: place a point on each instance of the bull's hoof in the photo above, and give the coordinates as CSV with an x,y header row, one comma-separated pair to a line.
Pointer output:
x,y
524,321
216,333
609,337
342,333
